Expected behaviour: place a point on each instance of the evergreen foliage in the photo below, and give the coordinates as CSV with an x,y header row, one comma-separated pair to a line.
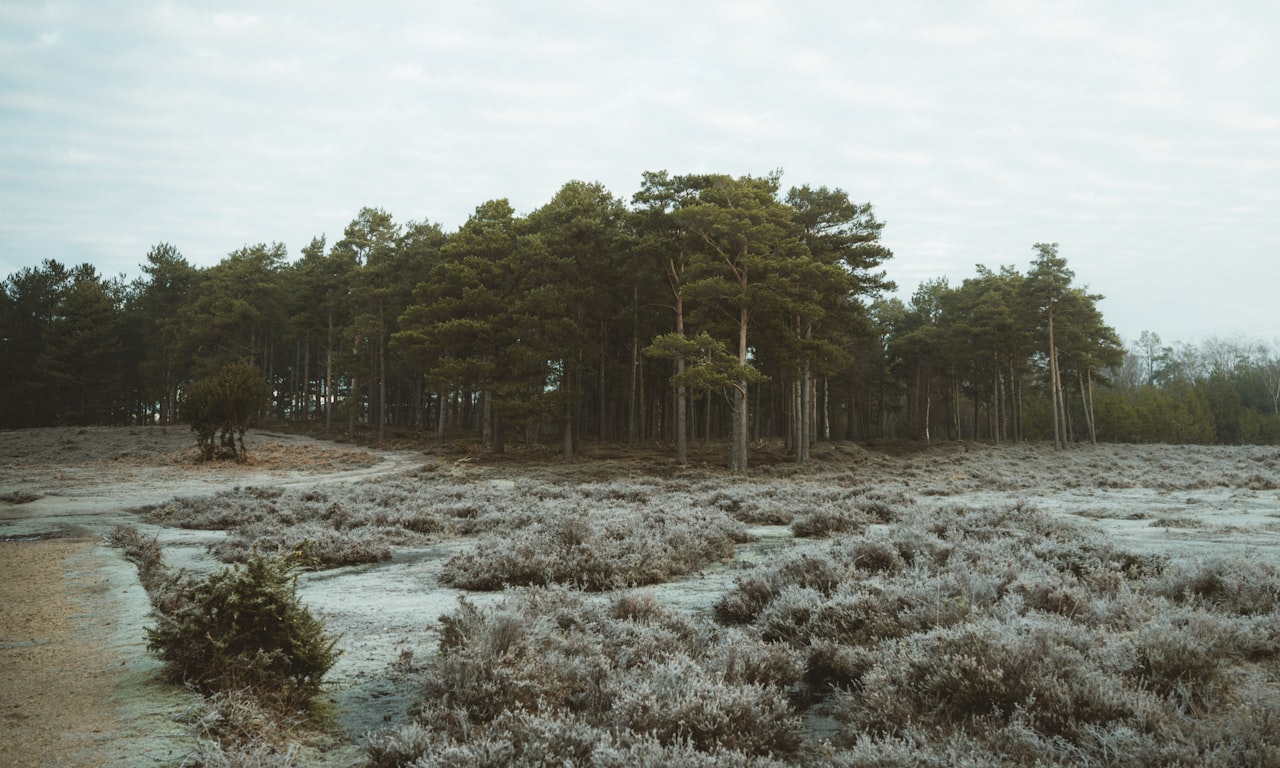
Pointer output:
x,y
244,627
761,311
222,407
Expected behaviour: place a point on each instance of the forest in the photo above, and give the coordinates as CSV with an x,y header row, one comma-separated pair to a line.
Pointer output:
x,y
709,307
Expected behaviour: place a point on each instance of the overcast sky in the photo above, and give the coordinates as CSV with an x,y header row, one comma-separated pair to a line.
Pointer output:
x,y
1143,137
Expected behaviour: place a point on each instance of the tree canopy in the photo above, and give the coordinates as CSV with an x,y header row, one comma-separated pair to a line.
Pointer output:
x,y
709,307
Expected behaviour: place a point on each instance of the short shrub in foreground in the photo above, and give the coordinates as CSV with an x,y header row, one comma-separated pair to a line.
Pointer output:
x,y
244,627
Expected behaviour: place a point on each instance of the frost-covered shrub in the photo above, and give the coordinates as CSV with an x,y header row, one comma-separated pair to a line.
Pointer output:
x,y
143,552
597,552
987,669
395,747
525,740
757,589
1181,653
679,701
313,545
238,718
827,522
908,751
216,754
1242,585
878,554
629,669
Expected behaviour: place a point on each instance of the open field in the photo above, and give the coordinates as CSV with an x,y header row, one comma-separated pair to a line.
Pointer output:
x,y
950,605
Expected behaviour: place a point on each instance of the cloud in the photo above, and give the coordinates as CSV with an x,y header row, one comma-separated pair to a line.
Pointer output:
x,y
975,130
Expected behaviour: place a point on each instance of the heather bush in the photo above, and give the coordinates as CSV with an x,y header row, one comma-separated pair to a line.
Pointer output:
x,y
312,545
524,740
596,551
826,521
990,670
680,701
216,754
597,675
143,552
1245,585
981,636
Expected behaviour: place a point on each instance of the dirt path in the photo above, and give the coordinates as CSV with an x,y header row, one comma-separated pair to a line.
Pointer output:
x,y
71,694
77,686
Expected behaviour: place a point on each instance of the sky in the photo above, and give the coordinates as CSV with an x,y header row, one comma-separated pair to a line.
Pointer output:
x,y
1141,136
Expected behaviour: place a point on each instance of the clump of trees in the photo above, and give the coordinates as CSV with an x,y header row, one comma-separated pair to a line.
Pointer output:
x,y
708,307
1219,391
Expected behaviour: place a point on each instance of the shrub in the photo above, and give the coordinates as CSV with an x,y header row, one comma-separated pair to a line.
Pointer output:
x,y
679,701
143,552
220,408
314,546
991,671
1242,585
244,627
826,522
597,552
550,677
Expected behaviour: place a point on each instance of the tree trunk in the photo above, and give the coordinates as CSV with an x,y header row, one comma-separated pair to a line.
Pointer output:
x,y
737,458
382,370
738,430
328,379
486,419
442,417
1055,391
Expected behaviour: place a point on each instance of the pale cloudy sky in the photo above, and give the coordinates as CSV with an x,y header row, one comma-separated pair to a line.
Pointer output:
x,y
1143,137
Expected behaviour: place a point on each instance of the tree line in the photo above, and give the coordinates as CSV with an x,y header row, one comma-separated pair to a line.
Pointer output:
x,y
707,307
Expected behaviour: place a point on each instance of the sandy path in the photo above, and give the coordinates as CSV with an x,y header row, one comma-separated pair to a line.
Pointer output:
x,y
68,658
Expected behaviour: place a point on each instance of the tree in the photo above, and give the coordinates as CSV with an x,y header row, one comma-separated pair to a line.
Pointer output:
x,y
238,312
368,248
664,240
80,362
747,246
484,319
844,256
158,301
581,227
28,309
1047,285
221,408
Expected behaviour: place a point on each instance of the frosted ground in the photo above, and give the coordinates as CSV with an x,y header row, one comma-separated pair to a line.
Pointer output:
x,y
433,528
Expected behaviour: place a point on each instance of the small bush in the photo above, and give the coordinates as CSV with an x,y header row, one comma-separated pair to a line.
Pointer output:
x,y
221,408
597,552
1249,586
244,627
679,701
827,522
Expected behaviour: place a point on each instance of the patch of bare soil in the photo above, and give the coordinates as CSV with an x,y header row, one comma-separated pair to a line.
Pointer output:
x,y
69,696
